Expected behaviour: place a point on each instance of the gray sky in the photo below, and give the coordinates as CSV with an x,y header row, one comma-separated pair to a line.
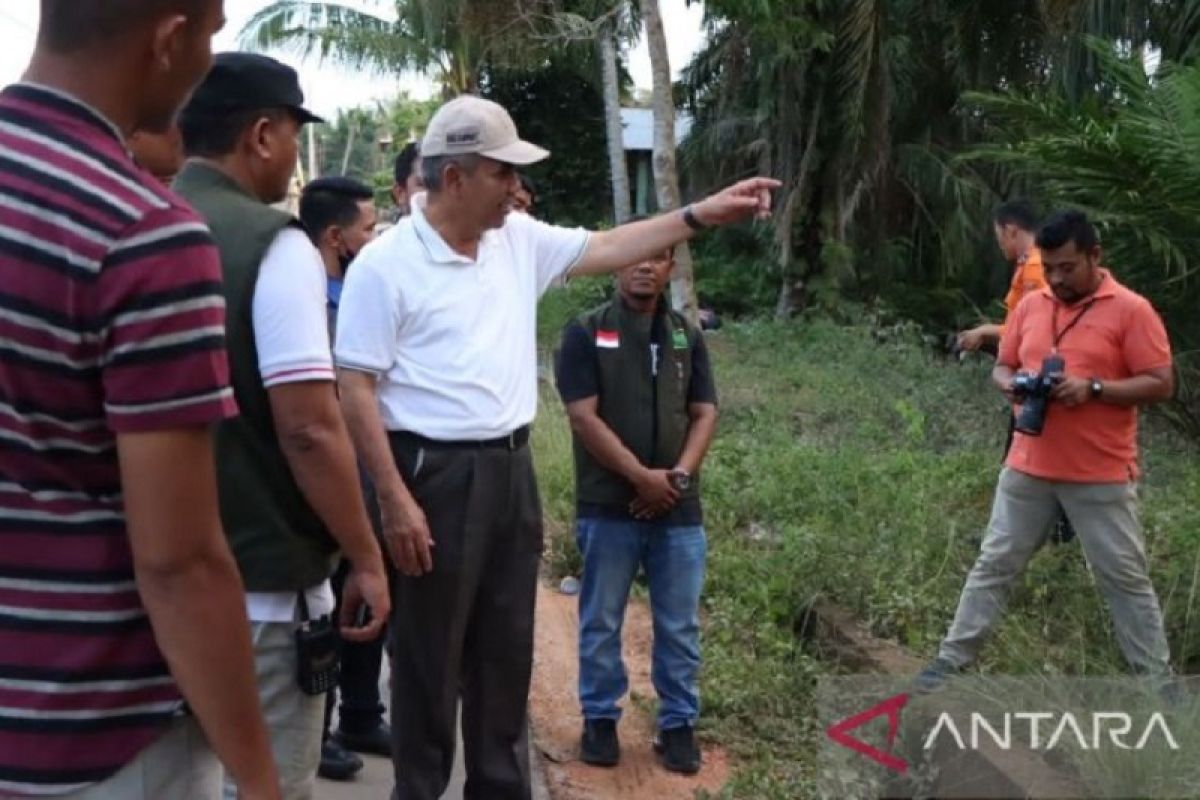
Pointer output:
x,y
330,88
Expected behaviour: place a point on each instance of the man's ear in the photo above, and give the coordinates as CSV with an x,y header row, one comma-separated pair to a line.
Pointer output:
x,y
331,239
452,176
168,41
259,137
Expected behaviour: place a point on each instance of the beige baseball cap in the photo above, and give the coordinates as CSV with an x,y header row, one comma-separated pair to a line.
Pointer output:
x,y
470,124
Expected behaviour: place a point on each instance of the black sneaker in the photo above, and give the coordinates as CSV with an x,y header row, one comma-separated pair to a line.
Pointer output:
x,y
375,742
935,675
338,763
599,746
678,749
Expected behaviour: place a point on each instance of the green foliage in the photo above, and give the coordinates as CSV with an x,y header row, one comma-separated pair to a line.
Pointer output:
x,y
854,465
374,134
733,274
449,40
559,106
856,107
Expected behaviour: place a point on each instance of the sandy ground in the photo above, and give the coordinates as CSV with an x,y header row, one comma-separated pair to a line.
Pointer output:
x,y
556,720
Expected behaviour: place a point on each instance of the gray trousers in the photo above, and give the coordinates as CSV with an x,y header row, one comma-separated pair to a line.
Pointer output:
x,y
1104,516
180,766
465,630
294,719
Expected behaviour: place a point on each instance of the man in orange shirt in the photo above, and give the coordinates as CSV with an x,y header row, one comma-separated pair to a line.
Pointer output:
x,y
1014,224
1116,357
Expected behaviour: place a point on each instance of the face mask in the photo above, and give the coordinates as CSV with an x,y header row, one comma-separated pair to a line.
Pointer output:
x,y
345,259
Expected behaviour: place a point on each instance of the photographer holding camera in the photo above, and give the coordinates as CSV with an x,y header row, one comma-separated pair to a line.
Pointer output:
x,y
1078,358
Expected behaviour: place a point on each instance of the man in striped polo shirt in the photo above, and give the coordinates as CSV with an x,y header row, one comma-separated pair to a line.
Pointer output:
x,y
119,599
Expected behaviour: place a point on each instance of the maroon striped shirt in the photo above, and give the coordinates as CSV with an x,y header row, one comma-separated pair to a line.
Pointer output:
x,y
111,321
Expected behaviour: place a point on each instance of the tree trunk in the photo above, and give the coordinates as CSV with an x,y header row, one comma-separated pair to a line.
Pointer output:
x,y
351,130
313,171
666,179
612,118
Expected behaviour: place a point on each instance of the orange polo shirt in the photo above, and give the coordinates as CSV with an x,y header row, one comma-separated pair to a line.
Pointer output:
x,y
1119,335
1029,276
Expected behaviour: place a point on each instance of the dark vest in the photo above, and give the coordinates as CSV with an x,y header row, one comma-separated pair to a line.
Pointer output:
x,y
648,413
279,542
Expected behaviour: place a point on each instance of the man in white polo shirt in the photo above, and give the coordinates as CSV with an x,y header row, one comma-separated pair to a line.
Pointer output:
x,y
437,364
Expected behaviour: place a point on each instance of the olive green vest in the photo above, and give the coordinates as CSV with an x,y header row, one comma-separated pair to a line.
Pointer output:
x,y
279,542
648,414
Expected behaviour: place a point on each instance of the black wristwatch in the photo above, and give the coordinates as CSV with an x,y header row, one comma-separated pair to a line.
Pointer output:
x,y
693,222
1097,388
681,479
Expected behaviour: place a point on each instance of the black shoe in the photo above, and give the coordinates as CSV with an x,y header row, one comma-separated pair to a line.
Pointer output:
x,y
337,763
599,746
375,742
678,749
935,675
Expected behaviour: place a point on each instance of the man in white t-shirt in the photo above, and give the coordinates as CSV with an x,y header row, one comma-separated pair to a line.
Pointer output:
x,y
437,363
286,474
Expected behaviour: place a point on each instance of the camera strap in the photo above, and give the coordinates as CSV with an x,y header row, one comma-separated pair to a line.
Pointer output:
x,y
1057,334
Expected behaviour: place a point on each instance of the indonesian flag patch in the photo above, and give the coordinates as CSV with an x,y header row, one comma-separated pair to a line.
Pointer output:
x,y
607,339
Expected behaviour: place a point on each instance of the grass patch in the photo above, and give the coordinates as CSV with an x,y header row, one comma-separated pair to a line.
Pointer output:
x,y
861,468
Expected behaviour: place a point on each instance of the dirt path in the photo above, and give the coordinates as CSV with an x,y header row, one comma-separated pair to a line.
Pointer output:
x,y
554,712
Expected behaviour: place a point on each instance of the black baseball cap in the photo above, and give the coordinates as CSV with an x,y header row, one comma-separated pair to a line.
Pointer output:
x,y
245,81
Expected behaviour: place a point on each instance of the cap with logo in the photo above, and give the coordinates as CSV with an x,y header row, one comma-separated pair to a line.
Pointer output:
x,y
249,81
471,125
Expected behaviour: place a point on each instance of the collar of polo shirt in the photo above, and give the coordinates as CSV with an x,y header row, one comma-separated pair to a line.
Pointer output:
x,y
439,252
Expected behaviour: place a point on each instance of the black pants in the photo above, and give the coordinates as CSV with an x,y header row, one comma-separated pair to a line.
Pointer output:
x,y
465,630
358,686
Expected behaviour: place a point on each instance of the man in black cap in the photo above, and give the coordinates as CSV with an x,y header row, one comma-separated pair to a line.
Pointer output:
x,y
288,484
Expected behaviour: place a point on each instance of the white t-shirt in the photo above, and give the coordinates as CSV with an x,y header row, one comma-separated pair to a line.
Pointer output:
x,y
453,339
291,335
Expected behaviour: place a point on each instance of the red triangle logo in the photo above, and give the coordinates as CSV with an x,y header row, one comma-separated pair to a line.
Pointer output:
x,y
840,732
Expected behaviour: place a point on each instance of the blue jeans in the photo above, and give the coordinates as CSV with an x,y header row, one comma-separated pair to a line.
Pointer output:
x,y
673,558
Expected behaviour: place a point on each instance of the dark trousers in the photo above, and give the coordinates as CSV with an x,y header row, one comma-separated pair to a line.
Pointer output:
x,y
465,630
362,662
358,685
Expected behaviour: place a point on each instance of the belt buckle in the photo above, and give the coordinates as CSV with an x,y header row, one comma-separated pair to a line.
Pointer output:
x,y
511,441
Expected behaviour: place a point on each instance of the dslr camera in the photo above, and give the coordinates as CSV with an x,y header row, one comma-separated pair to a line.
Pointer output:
x,y
1033,393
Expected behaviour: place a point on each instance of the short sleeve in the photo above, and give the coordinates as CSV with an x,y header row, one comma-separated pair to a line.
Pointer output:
x,y
575,366
1146,345
368,320
1009,354
159,296
555,250
291,330
701,389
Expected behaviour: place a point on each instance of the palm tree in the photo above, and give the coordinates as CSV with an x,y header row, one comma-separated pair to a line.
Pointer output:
x,y
611,25
450,40
666,178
